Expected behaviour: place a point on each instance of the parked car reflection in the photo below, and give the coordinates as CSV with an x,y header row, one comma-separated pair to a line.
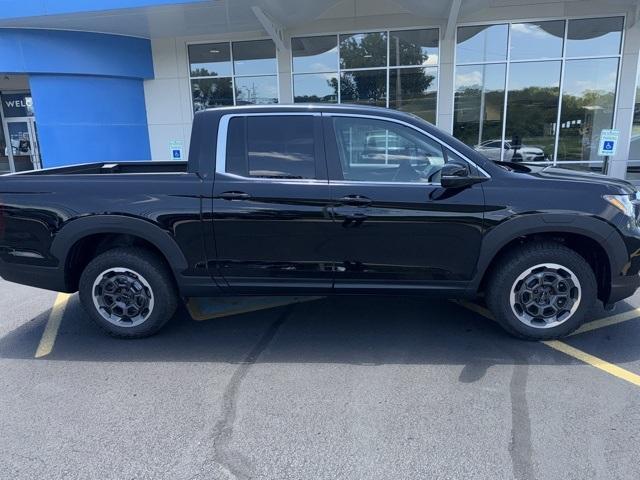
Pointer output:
x,y
492,150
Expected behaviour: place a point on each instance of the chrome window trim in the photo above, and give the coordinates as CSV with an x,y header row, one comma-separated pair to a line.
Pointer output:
x,y
406,124
223,131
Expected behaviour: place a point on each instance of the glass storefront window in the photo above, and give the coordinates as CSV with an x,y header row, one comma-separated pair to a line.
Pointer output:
x,y
542,123
5,165
363,50
537,40
479,100
532,110
210,60
414,90
484,43
592,37
315,88
256,90
211,93
394,69
233,73
588,102
315,54
257,57
368,87
413,47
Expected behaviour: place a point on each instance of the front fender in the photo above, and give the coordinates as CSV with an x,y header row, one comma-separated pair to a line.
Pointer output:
x,y
598,230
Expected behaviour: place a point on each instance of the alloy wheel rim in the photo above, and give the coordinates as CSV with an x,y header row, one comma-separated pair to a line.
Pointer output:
x,y
123,297
545,295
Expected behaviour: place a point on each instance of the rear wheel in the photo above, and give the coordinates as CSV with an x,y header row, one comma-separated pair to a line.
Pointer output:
x,y
541,291
128,292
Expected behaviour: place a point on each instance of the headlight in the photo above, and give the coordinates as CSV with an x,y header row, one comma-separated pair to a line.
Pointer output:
x,y
625,203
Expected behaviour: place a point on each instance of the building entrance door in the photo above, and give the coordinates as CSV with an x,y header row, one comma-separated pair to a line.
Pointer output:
x,y
22,144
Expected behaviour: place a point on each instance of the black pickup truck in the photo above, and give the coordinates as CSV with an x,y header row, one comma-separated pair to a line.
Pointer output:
x,y
322,200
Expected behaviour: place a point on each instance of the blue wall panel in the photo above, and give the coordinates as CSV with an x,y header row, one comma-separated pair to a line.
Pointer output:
x,y
90,119
57,51
35,8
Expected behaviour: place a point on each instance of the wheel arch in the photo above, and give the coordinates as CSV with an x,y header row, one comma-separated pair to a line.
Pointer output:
x,y
109,231
596,240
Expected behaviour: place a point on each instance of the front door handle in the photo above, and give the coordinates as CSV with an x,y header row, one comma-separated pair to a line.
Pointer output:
x,y
234,196
356,201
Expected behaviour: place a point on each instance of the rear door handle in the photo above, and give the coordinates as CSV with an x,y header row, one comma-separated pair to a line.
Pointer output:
x,y
234,196
356,201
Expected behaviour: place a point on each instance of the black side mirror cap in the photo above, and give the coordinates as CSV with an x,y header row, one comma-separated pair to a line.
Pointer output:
x,y
455,175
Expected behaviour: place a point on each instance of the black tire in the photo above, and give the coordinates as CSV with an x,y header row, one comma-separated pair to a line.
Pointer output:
x,y
143,266
519,262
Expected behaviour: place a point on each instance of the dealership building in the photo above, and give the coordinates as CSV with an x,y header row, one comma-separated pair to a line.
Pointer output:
x,y
548,81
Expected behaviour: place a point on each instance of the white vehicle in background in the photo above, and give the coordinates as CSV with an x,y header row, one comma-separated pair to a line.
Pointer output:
x,y
492,150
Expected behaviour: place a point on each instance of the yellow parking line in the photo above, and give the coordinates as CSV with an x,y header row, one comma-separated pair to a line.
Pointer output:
x,y
587,358
607,367
53,324
608,321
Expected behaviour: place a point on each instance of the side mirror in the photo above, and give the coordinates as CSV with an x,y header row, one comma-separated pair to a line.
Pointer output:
x,y
455,175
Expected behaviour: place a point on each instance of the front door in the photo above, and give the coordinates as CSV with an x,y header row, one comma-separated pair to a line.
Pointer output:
x,y
271,199
396,227
22,144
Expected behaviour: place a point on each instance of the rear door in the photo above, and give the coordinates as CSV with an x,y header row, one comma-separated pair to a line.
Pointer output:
x,y
396,227
271,215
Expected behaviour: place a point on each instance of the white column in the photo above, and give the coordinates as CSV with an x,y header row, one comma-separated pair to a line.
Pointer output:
x,y
284,73
446,83
625,100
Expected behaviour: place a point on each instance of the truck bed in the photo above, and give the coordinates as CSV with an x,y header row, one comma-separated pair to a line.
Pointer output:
x,y
111,168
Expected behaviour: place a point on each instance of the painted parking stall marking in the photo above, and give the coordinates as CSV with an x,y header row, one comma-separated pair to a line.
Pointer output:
x,y
48,340
576,353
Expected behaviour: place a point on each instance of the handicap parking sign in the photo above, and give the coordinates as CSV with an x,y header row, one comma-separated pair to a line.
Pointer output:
x,y
608,143
176,149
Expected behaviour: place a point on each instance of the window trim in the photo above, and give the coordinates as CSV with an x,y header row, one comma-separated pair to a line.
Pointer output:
x,y
221,148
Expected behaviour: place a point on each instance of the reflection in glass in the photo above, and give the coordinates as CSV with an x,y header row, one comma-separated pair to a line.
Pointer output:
x,y
363,50
256,90
315,88
633,171
587,106
536,40
583,167
210,60
482,43
364,87
479,106
594,36
413,47
532,108
315,54
211,92
414,90
254,57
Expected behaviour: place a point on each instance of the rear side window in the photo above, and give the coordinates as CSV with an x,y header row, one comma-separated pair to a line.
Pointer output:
x,y
278,146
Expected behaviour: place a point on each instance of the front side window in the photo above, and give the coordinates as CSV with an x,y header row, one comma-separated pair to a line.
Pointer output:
x,y
373,150
272,147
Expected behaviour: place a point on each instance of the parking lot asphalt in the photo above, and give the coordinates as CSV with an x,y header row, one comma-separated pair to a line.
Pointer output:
x,y
334,388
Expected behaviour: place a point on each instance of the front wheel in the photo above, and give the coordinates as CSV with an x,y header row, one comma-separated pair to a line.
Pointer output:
x,y
128,292
541,291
